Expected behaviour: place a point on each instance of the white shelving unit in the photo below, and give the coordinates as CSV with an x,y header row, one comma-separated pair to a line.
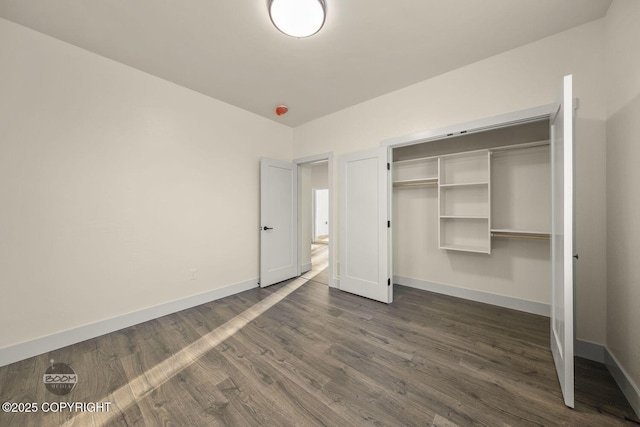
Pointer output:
x,y
464,201
464,183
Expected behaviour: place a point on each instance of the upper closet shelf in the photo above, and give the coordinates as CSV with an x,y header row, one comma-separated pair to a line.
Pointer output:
x,y
492,149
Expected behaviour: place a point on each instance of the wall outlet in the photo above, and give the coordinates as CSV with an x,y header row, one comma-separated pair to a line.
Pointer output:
x,y
194,274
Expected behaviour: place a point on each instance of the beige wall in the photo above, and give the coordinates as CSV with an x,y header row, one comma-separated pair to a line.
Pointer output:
x,y
320,175
623,176
115,185
515,80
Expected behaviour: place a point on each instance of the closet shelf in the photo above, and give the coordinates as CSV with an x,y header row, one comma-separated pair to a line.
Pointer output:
x,y
465,184
464,217
466,248
416,160
416,182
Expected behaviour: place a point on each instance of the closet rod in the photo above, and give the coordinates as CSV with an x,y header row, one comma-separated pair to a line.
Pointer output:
x,y
521,146
520,236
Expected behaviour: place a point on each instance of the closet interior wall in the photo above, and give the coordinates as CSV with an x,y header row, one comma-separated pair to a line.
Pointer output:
x,y
513,195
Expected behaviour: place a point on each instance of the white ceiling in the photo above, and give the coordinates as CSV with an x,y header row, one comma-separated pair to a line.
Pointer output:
x,y
229,50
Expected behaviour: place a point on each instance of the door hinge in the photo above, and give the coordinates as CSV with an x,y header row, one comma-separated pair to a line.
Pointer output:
x,y
388,166
389,282
388,224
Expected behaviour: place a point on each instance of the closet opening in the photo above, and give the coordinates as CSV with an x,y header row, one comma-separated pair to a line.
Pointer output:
x,y
472,216
485,211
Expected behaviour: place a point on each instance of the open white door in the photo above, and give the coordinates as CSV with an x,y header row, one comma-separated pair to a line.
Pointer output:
x,y
562,240
320,213
279,221
364,251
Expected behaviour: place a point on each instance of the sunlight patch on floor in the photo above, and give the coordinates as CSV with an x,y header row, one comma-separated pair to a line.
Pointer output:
x,y
141,386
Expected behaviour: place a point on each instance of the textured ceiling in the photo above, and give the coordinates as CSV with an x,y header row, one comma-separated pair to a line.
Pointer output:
x,y
229,50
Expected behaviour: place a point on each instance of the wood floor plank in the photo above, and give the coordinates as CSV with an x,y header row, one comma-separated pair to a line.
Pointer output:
x,y
305,398
320,387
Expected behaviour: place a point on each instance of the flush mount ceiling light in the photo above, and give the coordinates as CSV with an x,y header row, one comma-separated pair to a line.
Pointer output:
x,y
297,18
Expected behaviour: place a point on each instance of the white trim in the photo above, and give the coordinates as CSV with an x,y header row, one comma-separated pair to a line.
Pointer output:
x,y
528,115
332,223
16,352
314,158
602,354
589,350
629,388
328,156
474,295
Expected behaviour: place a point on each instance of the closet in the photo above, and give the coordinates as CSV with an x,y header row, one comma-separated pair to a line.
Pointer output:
x,y
473,212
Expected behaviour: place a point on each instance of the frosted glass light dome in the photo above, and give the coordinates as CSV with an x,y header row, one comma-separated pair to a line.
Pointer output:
x,y
297,18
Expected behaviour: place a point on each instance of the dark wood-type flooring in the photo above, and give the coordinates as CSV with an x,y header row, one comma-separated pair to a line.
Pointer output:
x,y
325,357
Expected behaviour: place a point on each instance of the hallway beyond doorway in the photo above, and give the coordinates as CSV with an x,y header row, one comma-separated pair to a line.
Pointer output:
x,y
319,255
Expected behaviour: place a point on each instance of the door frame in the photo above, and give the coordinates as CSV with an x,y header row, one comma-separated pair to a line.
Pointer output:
x,y
329,157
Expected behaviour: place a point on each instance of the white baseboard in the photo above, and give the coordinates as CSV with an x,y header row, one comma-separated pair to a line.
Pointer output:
x,y
629,388
589,350
24,350
474,295
602,354
305,267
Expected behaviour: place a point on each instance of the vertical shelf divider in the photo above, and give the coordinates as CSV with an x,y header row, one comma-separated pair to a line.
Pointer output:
x,y
464,201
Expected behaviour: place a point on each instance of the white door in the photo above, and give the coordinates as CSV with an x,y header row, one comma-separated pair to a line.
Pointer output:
x,y
364,252
278,221
562,240
321,213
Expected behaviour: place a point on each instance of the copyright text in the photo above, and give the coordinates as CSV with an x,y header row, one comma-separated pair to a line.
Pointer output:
x,y
32,407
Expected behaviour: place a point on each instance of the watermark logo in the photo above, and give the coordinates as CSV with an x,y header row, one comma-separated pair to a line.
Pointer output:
x,y
60,378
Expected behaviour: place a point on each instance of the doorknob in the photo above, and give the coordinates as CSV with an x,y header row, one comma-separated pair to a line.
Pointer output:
x,y
576,256
265,228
